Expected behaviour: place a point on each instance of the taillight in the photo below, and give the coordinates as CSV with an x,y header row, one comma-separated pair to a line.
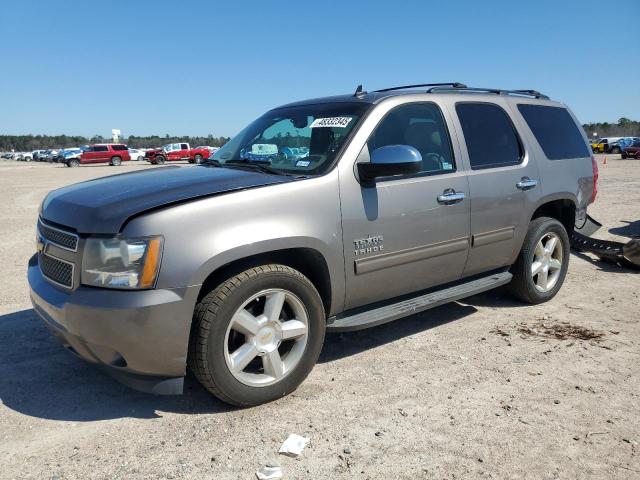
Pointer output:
x,y
594,165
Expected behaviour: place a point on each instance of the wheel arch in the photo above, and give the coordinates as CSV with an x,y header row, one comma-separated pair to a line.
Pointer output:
x,y
561,208
308,261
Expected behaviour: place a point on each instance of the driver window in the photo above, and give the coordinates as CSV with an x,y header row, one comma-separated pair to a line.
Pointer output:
x,y
421,126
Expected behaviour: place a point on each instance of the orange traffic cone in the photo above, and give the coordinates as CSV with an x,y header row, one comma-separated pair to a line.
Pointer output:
x,y
604,162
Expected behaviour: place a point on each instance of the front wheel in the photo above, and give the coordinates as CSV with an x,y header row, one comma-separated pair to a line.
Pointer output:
x,y
542,264
624,155
198,159
160,160
256,336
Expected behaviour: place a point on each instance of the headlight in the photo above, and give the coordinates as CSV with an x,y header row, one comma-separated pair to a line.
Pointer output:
x,y
121,263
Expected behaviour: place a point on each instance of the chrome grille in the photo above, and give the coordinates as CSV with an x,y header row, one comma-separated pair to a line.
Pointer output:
x,y
56,270
66,240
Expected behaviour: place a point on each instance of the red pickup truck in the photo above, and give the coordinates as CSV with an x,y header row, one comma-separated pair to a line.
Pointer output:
x,y
176,151
113,153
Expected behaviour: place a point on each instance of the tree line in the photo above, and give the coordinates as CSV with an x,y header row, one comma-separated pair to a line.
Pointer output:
x,y
623,128
28,143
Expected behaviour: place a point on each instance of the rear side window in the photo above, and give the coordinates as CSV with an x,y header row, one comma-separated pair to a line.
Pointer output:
x,y
555,131
184,146
120,147
490,136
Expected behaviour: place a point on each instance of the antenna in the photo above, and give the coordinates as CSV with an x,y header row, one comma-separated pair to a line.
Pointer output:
x,y
359,92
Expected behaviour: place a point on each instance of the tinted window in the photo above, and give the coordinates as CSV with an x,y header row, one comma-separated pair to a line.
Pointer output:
x,y
555,130
421,126
184,146
100,148
489,134
119,147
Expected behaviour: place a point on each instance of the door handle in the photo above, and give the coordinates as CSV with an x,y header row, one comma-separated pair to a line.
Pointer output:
x,y
526,183
450,196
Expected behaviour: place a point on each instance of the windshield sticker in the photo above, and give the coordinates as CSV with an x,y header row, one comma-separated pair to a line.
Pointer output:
x,y
303,163
339,122
264,149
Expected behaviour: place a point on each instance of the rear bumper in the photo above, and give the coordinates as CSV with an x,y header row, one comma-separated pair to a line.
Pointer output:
x,y
139,337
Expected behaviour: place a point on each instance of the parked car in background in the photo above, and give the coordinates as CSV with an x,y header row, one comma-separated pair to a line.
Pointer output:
x,y
50,155
23,156
632,151
70,154
174,152
136,154
606,145
111,153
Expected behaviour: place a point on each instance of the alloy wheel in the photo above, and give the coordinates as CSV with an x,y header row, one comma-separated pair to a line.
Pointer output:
x,y
547,262
266,337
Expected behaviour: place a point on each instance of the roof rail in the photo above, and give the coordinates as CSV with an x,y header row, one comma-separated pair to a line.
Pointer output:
x,y
497,91
450,85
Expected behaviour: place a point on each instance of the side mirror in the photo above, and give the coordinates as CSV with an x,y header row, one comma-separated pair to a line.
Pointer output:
x,y
389,161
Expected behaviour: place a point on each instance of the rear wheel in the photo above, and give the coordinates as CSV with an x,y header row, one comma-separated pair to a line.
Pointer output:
x,y
256,336
542,264
74,162
624,155
140,158
116,161
638,156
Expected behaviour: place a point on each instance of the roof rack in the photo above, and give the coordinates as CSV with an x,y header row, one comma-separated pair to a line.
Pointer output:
x,y
453,85
497,91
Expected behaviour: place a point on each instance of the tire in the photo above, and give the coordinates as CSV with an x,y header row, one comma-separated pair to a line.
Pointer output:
x,y
213,336
197,159
160,160
27,159
115,161
74,162
140,158
526,285
616,150
638,156
624,155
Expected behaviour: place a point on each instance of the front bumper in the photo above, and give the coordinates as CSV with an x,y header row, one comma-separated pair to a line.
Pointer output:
x,y
139,337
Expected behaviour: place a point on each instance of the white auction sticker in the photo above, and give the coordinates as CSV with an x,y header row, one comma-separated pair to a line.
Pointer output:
x,y
340,122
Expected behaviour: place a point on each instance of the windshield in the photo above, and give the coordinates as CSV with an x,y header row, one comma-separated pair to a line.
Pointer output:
x,y
301,140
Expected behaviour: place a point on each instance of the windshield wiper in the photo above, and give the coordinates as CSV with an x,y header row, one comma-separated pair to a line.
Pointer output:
x,y
260,167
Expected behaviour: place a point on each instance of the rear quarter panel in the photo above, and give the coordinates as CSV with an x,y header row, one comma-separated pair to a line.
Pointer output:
x,y
570,179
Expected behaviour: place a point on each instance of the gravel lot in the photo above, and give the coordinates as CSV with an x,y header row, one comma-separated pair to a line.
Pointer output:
x,y
477,389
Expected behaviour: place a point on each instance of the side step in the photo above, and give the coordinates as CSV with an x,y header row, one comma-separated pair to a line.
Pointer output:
x,y
404,308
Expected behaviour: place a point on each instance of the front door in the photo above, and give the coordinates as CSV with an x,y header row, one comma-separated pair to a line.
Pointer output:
x,y
407,233
503,182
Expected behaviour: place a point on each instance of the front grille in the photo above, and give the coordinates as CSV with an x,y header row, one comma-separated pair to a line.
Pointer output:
x,y
61,238
56,270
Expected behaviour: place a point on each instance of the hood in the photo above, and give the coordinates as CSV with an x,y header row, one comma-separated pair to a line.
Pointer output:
x,y
103,205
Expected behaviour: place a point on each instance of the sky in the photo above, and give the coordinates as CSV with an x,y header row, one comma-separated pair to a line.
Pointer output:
x,y
207,67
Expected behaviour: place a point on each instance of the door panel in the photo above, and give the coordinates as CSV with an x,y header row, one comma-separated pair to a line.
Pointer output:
x,y
500,203
399,237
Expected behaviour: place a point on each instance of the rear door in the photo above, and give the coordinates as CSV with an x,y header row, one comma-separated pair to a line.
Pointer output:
x,y
184,151
98,154
503,183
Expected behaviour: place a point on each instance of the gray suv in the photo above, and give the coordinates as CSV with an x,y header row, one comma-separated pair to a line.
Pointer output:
x,y
331,214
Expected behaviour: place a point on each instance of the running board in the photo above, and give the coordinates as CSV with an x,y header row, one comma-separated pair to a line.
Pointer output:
x,y
404,308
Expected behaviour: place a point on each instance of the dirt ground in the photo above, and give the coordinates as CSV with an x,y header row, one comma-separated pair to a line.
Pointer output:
x,y
483,388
